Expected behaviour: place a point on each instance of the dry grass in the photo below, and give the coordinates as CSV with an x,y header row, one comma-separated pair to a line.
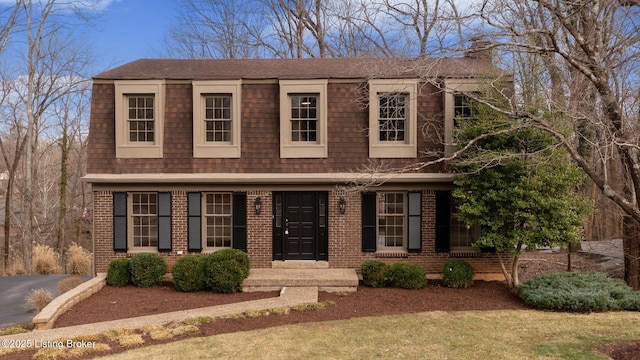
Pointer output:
x,y
79,260
39,298
435,335
69,283
16,266
45,260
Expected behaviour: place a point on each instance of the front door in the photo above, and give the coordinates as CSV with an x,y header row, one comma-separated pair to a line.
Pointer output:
x,y
300,225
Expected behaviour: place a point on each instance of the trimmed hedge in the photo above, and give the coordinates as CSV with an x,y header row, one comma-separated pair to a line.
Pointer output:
x,y
147,269
223,275
579,292
373,273
188,273
118,273
239,256
406,276
457,273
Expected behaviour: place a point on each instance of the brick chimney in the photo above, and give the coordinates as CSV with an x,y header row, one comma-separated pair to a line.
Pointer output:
x,y
480,49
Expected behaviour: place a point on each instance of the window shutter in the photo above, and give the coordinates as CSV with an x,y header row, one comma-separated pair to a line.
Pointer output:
x,y
369,216
443,217
415,220
240,221
119,221
164,221
194,210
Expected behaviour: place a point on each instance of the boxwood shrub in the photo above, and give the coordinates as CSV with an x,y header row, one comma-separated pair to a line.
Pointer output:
x,y
223,275
579,292
239,256
373,273
406,276
188,273
147,269
457,273
118,273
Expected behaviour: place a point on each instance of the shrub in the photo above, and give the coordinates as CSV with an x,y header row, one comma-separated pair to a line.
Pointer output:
x,y
188,273
457,273
238,256
39,298
78,260
69,283
119,273
373,273
223,275
579,292
406,276
147,269
45,260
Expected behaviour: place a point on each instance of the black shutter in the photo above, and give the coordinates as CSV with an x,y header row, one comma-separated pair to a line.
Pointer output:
x,y
240,221
415,221
195,221
119,221
369,217
164,221
443,217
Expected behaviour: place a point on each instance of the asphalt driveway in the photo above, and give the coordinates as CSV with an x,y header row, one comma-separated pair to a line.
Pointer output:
x,y
13,290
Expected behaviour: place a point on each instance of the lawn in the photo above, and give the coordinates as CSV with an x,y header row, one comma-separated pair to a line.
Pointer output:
x,y
527,334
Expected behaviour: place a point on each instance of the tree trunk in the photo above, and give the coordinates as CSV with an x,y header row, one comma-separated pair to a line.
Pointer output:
x,y
631,244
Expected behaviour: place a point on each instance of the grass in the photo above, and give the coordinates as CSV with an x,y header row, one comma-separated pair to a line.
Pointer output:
x,y
454,335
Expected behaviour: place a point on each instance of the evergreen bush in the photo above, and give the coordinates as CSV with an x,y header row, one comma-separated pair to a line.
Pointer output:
x,y
188,273
223,275
457,273
147,269
373,273
119,273
406,276
579,292
239,256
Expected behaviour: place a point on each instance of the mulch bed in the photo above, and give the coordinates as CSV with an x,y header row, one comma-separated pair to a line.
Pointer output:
x,y
117,303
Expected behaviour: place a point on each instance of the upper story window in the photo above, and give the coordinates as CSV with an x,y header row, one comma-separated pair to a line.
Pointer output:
x,y
303,118
457,105
393,118
139,118
216,119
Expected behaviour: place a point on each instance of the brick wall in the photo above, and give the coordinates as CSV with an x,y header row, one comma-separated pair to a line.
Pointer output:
x,y
345,247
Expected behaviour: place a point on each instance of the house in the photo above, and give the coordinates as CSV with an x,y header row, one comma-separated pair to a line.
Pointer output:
x,y
191,156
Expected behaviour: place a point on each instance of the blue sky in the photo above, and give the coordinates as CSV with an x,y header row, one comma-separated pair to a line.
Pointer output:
x,y
128,30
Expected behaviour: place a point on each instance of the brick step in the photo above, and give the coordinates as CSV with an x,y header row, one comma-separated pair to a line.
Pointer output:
x,y
332,280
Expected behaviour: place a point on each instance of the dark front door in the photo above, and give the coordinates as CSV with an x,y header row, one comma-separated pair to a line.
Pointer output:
x,y
300,225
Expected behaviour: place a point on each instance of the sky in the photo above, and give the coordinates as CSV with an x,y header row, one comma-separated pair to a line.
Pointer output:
x,y
128,30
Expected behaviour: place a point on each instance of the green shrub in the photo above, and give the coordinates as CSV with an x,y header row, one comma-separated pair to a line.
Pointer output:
x,y
579,292
147,269
406,276
373,273
457,273
119,273
223,275
188,273
238,256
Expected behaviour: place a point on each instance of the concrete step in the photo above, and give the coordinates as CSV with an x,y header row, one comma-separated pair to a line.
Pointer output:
x,y
331,280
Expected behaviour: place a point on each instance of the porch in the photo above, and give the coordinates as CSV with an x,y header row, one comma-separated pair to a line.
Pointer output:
x,y
298,274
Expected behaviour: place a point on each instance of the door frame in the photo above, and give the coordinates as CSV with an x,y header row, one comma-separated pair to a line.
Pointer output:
x,y
321,199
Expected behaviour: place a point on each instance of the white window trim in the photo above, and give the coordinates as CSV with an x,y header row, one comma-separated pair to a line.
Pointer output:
x,y
131,248
124,148
384,149
288,148
202,148
451,88
203,218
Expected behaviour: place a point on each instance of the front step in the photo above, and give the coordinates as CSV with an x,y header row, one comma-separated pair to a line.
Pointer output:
x,y
330,280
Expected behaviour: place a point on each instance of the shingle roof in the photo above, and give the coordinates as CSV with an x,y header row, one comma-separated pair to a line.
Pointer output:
x,y
331,68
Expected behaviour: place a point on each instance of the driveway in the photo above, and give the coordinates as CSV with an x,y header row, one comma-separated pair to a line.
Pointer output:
x,y
13,290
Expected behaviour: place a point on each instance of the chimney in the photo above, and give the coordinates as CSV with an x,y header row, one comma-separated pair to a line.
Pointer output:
x,y
480,49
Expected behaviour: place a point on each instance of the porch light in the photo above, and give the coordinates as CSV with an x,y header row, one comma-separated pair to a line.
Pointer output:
x,y
342,204
258,205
